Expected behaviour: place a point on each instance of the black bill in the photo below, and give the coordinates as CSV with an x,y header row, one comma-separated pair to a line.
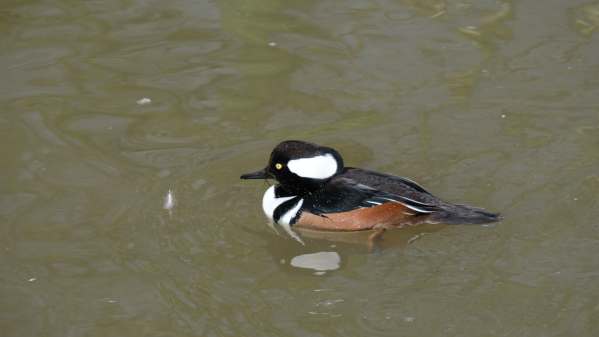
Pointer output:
x,y
261,174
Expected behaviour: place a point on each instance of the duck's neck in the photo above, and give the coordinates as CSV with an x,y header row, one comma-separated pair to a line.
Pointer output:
x,y
280,206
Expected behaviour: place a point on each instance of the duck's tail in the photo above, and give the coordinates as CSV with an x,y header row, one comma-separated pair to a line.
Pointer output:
x,y
464,215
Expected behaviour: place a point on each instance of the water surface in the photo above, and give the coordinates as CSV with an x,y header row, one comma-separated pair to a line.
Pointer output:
x,y
492,103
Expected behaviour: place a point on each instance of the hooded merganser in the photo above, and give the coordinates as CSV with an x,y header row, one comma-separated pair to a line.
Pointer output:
x,y
316,191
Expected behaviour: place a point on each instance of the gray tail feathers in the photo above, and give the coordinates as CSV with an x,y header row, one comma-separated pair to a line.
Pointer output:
x,y
463,215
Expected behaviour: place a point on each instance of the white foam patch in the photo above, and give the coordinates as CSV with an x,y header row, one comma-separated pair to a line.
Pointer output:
x,y
319,167
270,202
169,201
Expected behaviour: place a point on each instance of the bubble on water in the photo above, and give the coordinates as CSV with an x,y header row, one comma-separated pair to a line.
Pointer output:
x,y
144,101
169,200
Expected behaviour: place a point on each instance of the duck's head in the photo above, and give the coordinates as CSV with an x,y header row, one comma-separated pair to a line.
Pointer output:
x,y
300,166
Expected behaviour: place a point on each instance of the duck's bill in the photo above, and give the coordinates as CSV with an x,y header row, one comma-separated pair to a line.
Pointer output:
x,y
261,174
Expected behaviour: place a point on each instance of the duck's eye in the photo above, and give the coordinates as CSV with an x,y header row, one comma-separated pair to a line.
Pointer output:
x,y
278,166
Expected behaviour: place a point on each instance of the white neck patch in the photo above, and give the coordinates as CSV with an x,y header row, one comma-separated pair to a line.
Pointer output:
x,y
270,202
285,220
319,167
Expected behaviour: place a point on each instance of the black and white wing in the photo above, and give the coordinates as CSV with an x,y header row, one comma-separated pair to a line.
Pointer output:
x,y
345,194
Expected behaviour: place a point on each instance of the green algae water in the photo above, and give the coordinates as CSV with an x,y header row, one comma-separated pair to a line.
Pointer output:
x,y
124,127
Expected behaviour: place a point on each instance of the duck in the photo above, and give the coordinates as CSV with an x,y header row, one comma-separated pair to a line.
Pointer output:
x,y
315,190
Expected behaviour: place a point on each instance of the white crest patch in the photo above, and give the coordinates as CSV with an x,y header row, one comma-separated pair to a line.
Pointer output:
x,y
319,167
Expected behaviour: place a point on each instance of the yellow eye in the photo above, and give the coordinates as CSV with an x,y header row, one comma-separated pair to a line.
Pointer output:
x,y
278,166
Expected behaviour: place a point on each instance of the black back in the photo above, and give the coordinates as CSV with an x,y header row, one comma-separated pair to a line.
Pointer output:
x,y
356,188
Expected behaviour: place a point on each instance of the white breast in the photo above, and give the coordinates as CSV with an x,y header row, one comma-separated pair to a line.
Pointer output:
x,y
270,202
286,218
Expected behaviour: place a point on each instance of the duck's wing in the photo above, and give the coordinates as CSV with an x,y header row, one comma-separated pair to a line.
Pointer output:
x,y
390,184
342,194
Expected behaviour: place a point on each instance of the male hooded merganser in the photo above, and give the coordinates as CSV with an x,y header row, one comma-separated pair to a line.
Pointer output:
x,y
316,191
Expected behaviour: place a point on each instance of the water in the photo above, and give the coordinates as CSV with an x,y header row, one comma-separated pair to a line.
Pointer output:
x,y
126,124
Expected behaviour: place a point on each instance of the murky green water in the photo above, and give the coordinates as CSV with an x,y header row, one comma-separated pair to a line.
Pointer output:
x,y
494,103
